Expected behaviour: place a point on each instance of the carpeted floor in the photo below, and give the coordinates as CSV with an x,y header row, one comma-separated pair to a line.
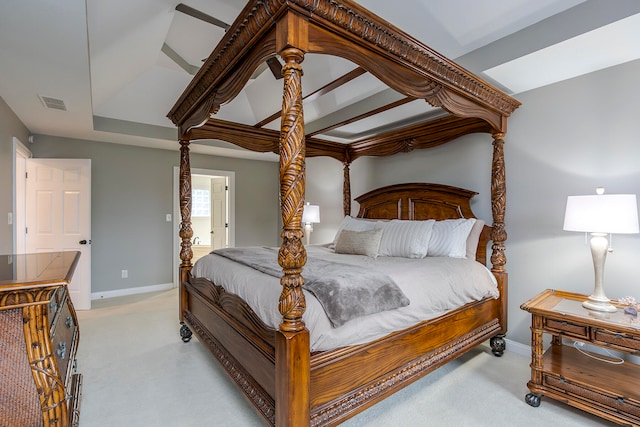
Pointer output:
x,y
137,372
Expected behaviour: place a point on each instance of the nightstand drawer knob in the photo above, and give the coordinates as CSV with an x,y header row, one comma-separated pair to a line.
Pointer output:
x,y
69,322
62,349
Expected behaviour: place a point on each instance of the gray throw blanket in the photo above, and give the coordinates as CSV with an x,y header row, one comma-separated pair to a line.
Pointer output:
x,y
345,291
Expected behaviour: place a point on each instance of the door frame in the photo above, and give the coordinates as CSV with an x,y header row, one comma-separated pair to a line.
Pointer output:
x,y
177,219
20,151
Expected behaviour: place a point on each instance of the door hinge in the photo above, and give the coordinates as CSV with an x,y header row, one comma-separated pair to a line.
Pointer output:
x,y
226,225
226,188
26,230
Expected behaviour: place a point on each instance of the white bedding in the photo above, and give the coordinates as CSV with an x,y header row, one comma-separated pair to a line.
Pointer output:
x,y
434,285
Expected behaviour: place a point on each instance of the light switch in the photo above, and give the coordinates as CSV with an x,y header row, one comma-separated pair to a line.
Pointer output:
x,y
10,218
168,217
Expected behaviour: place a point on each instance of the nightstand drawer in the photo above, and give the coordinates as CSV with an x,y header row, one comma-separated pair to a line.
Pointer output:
x,y
567,328
618,403
617,339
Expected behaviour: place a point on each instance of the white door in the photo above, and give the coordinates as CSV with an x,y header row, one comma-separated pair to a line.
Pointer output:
x,y
59,216
219,223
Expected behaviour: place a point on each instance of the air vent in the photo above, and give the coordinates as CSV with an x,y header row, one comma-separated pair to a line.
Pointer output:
x,y
56,104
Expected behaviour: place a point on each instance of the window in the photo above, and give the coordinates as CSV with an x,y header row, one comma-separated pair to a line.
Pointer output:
x,y
200,203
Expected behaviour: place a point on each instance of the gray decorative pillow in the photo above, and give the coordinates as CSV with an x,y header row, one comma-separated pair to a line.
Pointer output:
x,y
359,242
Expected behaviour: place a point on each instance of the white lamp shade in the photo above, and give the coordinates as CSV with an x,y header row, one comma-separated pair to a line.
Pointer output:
x,y
605,213
311,214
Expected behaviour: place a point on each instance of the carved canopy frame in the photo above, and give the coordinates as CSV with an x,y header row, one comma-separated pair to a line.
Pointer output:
x,y
291,29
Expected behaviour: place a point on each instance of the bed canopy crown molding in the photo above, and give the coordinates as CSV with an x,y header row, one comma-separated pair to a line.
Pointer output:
x,y
414,137
465,94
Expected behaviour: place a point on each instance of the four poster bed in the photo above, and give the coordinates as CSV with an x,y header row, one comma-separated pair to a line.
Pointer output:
x,y
283,371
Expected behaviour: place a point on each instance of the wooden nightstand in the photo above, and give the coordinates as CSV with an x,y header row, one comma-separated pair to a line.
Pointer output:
x,y
39,339
611,391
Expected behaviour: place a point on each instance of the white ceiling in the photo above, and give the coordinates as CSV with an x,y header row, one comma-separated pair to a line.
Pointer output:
x,y
115,63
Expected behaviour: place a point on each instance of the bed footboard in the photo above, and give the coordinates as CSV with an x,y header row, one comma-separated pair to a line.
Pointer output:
x,y
237,338
345,381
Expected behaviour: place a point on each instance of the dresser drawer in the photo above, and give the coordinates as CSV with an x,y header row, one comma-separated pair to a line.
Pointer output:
x,y
55,305
63,340
618,339
567,328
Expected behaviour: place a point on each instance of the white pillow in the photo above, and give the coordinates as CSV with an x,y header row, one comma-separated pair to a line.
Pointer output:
x,y
474,238
359,242
354,224
407,239
449,237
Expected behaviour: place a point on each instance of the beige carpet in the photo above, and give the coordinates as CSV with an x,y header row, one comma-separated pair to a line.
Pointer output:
x,y
137,372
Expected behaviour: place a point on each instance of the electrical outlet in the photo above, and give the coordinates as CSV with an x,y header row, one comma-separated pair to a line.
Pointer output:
x,y
168,217
125,274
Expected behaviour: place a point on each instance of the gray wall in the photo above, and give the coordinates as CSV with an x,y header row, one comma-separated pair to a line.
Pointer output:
x,y
566,139
10,126
132,191
324,188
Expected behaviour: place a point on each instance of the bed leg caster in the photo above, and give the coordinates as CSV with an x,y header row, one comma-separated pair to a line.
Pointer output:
x,y
185,333
533,399
498,345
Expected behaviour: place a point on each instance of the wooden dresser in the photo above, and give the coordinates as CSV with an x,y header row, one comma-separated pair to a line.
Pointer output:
x,y
39,340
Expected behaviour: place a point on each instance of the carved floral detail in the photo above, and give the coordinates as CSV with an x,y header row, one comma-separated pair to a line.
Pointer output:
x,y
498,204
346,190
260,399
421,367
292,255
356,21
186,232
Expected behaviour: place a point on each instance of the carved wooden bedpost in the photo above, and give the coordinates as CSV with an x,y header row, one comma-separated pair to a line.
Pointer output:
x,y
346,190
292,341
186,232
499,236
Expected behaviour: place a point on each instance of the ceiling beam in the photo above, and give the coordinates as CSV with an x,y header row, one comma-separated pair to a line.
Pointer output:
x,y
195,13
363,116
175,57
357,72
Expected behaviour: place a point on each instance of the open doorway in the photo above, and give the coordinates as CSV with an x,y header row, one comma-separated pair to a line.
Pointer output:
x,y
209,214
212,213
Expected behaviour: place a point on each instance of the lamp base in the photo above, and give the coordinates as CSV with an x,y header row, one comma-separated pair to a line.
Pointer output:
x,y
599,304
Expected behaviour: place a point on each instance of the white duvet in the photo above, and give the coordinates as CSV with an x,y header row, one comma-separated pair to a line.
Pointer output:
x,y
434,285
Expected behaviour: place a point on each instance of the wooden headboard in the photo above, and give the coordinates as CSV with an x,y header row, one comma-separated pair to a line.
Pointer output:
x,y
421,201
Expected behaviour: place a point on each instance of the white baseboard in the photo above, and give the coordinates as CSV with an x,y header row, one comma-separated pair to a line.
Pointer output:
x,y
518,348
131,291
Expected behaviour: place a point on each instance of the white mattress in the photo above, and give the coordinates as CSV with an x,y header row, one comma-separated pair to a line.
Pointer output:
x,y
434,285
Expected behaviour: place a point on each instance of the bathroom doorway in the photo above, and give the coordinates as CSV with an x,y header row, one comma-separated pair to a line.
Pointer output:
x,y
212,213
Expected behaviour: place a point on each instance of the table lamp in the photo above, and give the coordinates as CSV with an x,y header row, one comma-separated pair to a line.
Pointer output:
x,y
600,215
310,216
